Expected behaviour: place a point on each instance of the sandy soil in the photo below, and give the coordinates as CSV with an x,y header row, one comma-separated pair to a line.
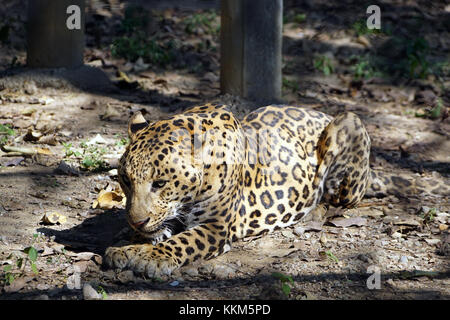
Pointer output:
x,y
61,117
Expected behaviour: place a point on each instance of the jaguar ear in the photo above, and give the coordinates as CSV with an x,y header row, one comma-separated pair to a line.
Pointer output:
x,y
135,124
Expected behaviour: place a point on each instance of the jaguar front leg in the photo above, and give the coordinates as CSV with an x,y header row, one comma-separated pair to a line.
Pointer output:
x,y
201,242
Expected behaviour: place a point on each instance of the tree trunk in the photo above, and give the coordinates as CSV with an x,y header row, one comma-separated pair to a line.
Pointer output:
x,y
55,37
251,43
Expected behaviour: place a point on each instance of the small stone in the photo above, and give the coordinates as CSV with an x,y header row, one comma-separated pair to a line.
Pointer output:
x,y
42,287
81,266
223,272
363,257
191,271
390,282
425,209
89,293
30,87
66,169
323,239
432,241
403,260
112,172
288,234
98,139
206,269
126,276
396,235
174,283
42,297
443,227
299,231
74,282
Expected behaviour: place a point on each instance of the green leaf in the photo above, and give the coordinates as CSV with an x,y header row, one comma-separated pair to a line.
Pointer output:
x,y
34,268
332,256
19,263
7,268
31,252
282,277
278,275
286,289
102,291
9,278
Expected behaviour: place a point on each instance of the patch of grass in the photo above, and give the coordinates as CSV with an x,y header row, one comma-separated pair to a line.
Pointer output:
x,y
324,64
102,291
6,132
93,158
69,151
135,19
429,215
290,85
123,141
417,58
300,18
441,68
432,113
205,20
331,256
12,271
364,68
135,44
286,282
138,46
360,28
90,156
295,17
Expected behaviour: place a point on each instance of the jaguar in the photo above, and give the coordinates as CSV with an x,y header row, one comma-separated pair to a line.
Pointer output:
x,y
200,180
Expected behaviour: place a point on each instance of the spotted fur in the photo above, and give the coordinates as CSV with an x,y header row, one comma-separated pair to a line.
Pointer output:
x,y
198,181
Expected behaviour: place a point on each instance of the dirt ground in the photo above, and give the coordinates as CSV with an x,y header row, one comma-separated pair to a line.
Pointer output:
x,y
69,129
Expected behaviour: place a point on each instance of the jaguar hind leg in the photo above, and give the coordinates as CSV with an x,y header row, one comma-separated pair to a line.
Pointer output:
x,y
343,161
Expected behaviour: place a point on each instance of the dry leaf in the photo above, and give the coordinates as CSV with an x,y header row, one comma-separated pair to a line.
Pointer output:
x,y
82,256
109,199
49,139
17,284
98,139
123,76
110,112
347,222
47,251
32,135
53,218
43,151
313,226
432,241
64,168
408,222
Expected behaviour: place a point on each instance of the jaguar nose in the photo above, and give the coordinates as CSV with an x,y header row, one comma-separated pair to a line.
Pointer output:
x,y
140,224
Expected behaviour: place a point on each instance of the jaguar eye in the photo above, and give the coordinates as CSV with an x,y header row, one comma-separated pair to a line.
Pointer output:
x,y
158,184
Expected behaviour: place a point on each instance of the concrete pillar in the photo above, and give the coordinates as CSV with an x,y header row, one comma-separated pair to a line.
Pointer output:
x,y
50,42
251,49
